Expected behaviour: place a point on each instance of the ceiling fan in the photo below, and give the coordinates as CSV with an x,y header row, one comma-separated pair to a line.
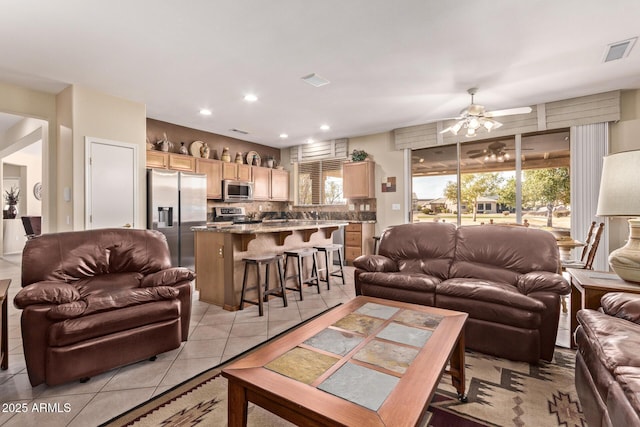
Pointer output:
x,y
474,117
495,151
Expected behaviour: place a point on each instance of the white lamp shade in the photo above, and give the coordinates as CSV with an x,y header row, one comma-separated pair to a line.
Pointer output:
x,y
620,185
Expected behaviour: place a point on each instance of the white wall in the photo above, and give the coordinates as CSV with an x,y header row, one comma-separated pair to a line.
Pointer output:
x,y
30,161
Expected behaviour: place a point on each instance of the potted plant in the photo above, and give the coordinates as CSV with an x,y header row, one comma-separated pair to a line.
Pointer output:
x,y
359,155
12,197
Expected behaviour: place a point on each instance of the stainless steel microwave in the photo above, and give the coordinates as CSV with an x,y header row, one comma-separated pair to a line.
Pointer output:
x,y
237,191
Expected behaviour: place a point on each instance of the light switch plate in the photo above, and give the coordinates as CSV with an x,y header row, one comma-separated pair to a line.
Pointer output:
x,y
395,207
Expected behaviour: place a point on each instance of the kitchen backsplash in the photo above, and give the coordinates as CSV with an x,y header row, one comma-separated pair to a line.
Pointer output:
x,y
282,210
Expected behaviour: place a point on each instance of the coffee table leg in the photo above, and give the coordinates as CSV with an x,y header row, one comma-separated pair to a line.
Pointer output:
x,y
237,405
456,365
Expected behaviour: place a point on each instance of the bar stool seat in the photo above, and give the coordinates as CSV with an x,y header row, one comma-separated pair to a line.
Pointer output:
x,y
337,272
267,261
299,255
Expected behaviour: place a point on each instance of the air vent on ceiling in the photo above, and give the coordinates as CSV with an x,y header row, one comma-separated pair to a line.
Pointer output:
x,y
315,80
618,50
244,132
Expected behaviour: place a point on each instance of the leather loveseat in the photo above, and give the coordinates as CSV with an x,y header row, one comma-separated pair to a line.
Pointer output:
x,y
608,361
505,278
98,299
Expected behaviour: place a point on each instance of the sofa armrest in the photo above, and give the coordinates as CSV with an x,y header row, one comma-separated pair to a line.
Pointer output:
x,y
46,292
375,263
539,281
623,305
168,277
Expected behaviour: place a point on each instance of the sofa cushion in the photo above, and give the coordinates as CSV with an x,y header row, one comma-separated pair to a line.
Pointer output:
x,y
539,281
375,263
501,254
409,281
75,255
623,305
490,301
107,283
83,328
624,407
420,248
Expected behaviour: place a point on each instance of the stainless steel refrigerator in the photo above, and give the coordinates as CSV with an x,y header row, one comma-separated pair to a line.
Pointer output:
x,y
177,201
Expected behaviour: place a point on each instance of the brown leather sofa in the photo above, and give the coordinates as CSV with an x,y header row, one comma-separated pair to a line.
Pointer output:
x,y
608,361
98,299
505,278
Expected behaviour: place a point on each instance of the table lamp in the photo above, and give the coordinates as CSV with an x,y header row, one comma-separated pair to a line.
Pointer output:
x,y
620,196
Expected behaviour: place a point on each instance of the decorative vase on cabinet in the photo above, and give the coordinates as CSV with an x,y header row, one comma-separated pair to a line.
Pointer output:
x,y
226,157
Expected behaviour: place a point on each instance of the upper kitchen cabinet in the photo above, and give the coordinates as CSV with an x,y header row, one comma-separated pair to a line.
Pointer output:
x,y
279,185
213,170
180,162
261,183
236,171
157,159
358,180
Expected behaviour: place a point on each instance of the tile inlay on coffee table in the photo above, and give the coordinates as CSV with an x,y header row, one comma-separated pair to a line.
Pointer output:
x,y
366,362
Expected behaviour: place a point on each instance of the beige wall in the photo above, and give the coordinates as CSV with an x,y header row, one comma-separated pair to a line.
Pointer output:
x,y
87,113
40,105
625,136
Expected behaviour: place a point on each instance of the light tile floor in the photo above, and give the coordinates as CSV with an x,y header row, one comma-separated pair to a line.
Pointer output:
x,y
216,335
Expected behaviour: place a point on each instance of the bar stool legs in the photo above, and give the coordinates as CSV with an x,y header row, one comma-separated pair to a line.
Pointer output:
x,y
299,255
338,272
262,295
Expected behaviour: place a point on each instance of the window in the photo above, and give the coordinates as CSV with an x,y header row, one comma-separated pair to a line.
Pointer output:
x,y
320,182
489,179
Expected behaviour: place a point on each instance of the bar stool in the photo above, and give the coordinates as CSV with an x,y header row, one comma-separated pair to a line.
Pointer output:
x,y
338,272
258,261
299,255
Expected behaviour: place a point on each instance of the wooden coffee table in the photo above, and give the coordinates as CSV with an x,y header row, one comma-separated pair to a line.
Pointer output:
x,y
369,362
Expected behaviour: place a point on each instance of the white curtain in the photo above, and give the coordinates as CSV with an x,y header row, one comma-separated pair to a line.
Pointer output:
x,y
589,144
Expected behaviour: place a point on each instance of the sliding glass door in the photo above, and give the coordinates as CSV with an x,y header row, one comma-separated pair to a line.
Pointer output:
x,y
523,179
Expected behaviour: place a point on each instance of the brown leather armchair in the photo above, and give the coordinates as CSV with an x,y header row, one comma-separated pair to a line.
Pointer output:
x,y
98,299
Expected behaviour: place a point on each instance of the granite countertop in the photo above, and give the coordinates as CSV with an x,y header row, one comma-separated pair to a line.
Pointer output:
x,y
271,226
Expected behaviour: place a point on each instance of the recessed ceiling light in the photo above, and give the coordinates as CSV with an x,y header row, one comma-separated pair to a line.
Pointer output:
x,y
250,97
284,136
310,141
325,127
618,50
205,112
315,80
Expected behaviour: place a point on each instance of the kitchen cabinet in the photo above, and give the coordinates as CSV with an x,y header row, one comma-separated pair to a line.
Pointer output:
x,y
213,170
358,240
157,159
279,185
261,183
236,171
180,162
359,180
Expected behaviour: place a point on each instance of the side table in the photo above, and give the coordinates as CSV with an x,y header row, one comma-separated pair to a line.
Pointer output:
x,y
4,339
588,286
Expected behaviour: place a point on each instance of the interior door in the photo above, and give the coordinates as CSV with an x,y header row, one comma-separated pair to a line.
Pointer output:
x,y
111,190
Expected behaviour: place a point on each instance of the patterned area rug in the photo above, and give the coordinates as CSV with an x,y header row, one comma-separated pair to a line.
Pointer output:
x,y
500,393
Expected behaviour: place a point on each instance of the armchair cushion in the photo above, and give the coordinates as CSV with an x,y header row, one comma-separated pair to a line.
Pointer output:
x,y
375,263
623,305
536,281
167,277
46,292
115,300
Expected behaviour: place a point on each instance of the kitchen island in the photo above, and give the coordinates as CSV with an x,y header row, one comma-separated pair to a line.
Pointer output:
x,y
219,250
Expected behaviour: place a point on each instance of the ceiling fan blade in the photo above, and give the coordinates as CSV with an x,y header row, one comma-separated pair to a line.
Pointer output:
x,y
508,112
